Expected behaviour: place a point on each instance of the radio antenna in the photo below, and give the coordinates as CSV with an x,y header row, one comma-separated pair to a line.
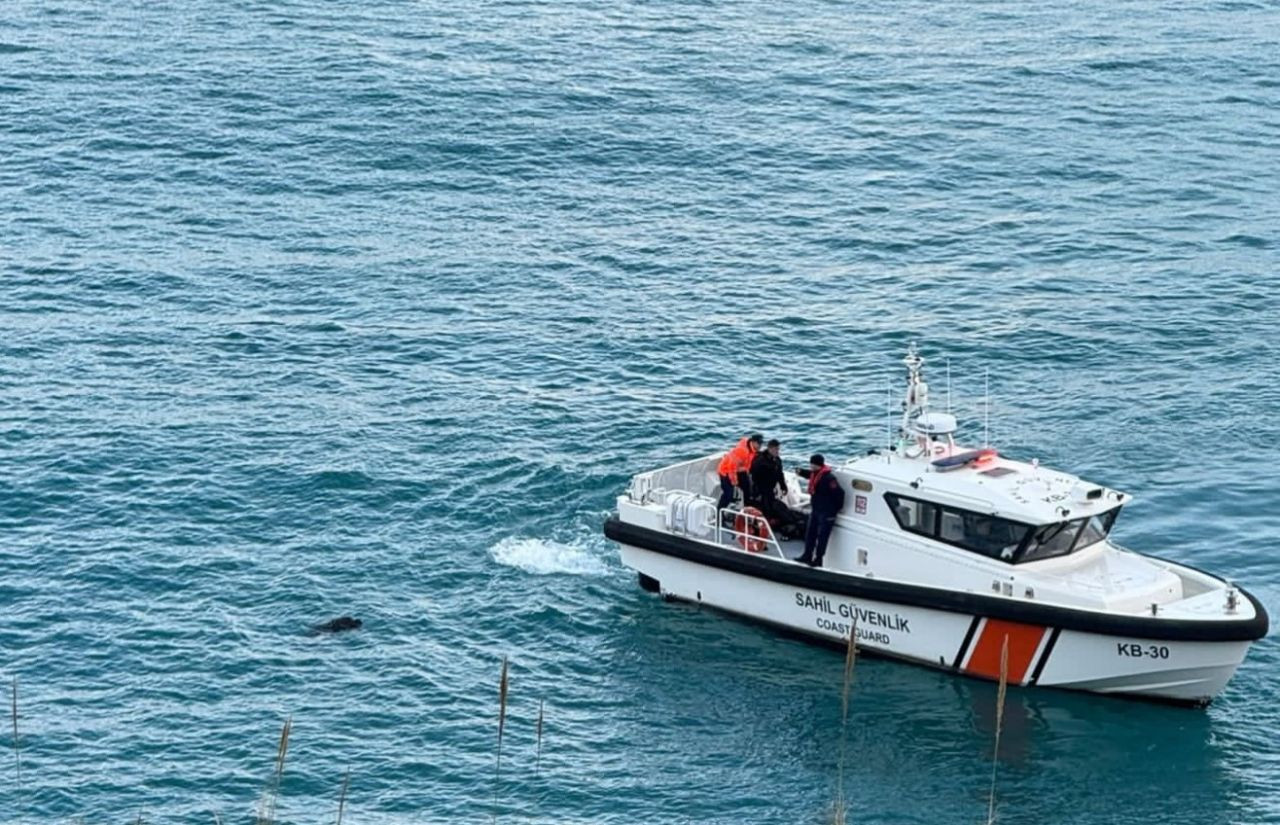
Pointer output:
x,y
986,406
888,412
948,383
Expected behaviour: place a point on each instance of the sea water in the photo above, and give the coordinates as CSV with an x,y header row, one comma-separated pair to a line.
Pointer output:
x,y
313,309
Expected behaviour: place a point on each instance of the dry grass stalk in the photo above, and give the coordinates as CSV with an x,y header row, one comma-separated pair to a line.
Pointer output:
x,y
995,754
537,764
267,808
283,748
17,750
502,721
342,797
850,658
502,714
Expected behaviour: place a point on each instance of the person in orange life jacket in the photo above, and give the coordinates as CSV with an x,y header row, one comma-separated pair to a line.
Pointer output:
x,y
827,497
735,469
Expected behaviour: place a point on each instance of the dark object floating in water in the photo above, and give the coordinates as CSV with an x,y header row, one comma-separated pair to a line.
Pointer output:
x,y
337,625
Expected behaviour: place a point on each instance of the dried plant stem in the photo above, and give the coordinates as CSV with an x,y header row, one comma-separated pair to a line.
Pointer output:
x,y
850,658
502,721
995,754
850,655
280,754
267,809
537,764
342,797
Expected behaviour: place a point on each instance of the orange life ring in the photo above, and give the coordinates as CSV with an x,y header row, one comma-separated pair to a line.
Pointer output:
x,y
750,530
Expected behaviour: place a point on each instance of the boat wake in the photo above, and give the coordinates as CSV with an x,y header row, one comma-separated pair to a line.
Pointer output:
x,y
545,557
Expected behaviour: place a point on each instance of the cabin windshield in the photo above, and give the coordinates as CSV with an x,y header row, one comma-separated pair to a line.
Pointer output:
x,y
995,537
1061,538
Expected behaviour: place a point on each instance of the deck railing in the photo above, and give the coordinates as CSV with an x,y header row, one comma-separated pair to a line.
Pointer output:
x,y
758,532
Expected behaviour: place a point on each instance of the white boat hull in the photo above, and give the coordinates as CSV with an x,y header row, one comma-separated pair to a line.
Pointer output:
x,y
1183,671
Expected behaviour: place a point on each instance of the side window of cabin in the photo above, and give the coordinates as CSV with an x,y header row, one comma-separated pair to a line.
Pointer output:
x,y
952,526
989,536
919,517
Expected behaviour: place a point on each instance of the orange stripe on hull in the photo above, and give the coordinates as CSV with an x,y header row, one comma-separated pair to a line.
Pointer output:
x,y
1024,641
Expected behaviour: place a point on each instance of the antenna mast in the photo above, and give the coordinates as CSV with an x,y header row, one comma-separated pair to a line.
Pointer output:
x,y
888,410
986,406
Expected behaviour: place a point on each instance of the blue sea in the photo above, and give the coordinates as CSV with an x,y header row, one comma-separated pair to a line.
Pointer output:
x,y
372,308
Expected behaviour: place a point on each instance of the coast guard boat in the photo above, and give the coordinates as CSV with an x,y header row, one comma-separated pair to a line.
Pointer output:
x,y
948,556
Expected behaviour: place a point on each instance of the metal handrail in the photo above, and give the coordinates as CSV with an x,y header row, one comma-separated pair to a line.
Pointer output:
x,y
741,538
653,494
686,476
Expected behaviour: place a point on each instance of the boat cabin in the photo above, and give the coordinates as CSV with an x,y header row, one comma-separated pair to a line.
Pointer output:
x,y
927,509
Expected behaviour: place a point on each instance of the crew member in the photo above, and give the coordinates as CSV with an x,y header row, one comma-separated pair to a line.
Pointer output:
x,y
735,469
766,479
827,497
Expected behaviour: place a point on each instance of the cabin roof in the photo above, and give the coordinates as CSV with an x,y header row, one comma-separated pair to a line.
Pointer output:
x,y
1000,486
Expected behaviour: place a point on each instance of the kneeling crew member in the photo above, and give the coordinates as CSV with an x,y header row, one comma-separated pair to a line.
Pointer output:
x,y
735,469
766,479
827,498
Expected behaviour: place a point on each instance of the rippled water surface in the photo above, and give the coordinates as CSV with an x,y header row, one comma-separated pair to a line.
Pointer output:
x,y
317,308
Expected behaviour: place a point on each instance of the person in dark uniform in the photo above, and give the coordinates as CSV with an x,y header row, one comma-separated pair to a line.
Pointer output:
x,y
827,498
766,479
